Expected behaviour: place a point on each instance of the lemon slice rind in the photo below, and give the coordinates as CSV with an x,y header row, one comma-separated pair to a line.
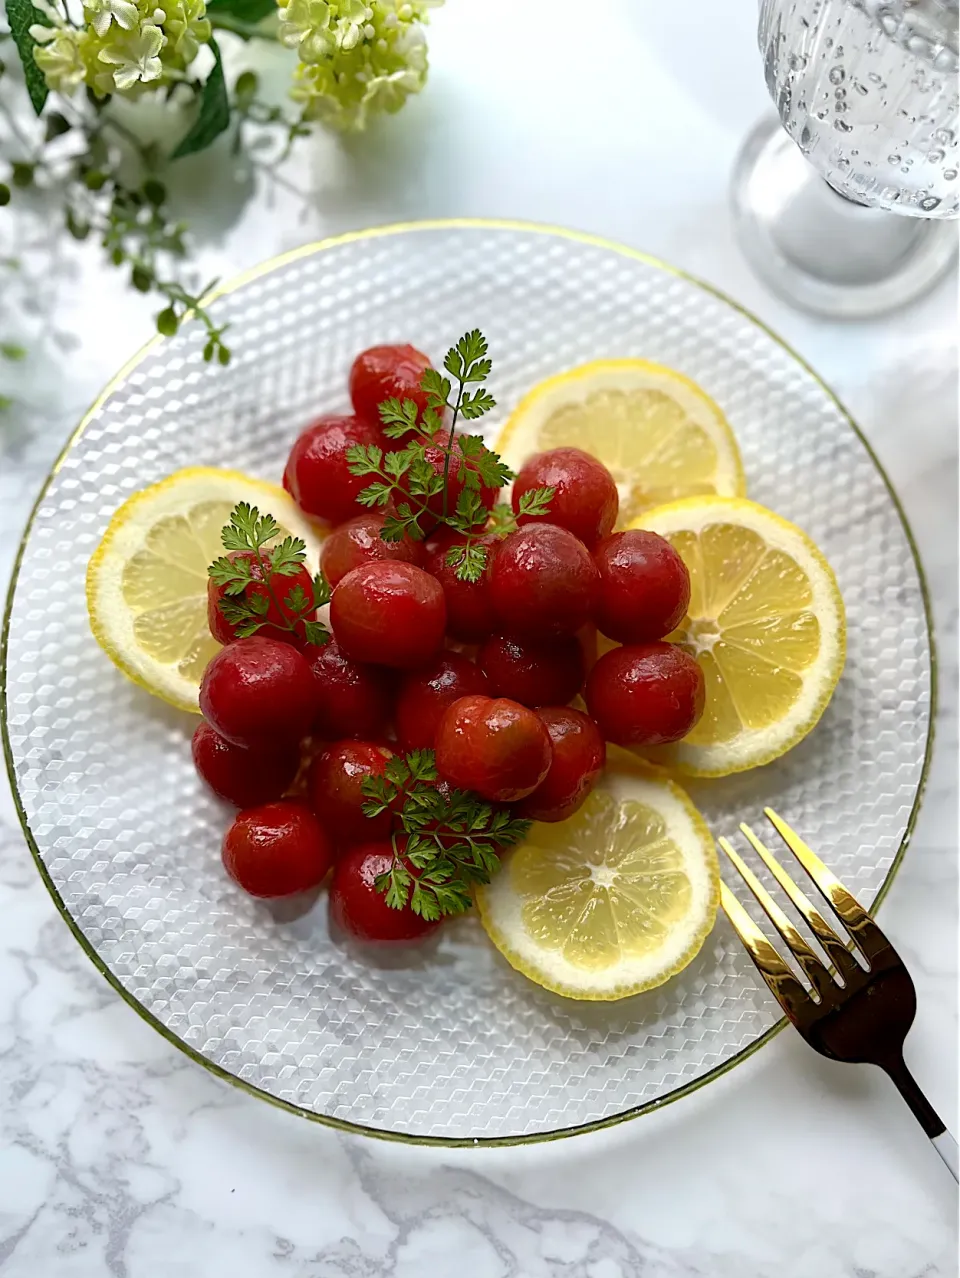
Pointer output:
x,y
755,747
500,905
111,618
520,436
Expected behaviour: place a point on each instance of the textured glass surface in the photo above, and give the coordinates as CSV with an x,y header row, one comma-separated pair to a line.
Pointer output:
x,y
447,1042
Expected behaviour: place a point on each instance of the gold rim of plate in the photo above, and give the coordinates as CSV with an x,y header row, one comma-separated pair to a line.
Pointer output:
x,y
247,277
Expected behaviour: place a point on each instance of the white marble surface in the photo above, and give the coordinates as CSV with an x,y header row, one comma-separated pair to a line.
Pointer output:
x,y
118,1156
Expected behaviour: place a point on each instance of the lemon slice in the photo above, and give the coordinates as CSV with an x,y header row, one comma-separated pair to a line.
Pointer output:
x,y
657,432
765,622
613,901
147,580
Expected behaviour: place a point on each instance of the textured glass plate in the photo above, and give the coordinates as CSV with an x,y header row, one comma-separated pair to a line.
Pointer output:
x,y
448,1044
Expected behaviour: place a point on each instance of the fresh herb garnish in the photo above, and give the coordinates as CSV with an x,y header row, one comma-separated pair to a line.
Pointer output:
x,y
407,478
452,837
250,532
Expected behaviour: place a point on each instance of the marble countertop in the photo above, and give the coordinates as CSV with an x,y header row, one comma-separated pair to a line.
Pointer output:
x,y
118,1156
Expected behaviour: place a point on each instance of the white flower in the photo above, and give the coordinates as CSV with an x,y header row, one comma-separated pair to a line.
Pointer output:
x,y
59,57
100,13
136,57
353,18
304,25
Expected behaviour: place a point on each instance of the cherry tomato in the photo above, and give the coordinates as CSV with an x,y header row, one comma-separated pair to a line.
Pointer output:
x,y
645,694
336,791
386,372
585,499
469,611
579,754
535,674
425,695
358,542
359,909
391,614
495,747
278,612
354,700
258,691
542,583
244,777
644,587
277,849
318,473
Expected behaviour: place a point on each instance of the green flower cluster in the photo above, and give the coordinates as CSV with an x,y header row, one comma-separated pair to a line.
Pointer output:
x,y
125,46
357,57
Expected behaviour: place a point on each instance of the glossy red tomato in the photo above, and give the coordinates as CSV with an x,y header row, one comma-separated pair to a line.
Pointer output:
x,y
358,542
535,674
354,700
277,849
258,691
385,372
391,614
278,612
244,777
645,694
542,583
426,694
644,587
469,610
579,754
336,791
585,499
359,909
495,747
318,473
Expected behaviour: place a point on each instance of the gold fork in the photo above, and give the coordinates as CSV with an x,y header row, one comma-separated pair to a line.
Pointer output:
x,y
850,1013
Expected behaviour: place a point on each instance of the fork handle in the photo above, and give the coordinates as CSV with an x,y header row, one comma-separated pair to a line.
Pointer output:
x,y
928,1118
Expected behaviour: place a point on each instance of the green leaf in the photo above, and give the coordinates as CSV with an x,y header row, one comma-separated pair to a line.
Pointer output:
x,y
214,114
297,601
536,501
398,463
13,352
398,418
473,563
21,15
377,494
245,10
364,459
316,633
502,519
475,403
492,471
288,557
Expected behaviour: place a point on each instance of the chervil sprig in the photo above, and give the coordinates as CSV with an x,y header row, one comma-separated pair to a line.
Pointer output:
x,y
452,837
250,532
407,481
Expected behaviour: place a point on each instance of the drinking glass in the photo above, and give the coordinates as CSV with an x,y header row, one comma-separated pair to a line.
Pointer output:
x,y
854,219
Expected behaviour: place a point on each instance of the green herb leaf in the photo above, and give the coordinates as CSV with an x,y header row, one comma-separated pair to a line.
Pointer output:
x,y
321,591
214,116
502,519
288,557
536,501
21,15
364,459
398,418
316,633
475,403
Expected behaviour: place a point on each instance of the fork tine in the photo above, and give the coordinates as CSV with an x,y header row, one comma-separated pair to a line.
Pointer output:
x,y
854,917
838,953
784,986
815,971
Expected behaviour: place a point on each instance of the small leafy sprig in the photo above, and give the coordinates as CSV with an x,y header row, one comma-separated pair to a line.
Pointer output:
x,y
452,837
251,532
408,480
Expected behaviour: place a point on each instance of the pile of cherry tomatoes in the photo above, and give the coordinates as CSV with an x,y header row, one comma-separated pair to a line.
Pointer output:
x,y
480,672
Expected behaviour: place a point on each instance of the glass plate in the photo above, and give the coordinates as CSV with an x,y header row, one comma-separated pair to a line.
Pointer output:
x,y
450,1044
